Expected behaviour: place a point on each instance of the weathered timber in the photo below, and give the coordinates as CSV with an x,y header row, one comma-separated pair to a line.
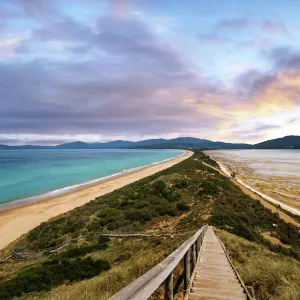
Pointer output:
x,y
215,276
169,287
187,268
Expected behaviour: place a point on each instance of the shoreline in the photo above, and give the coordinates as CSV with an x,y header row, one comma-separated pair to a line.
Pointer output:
x,y
75,187
17,221
262,195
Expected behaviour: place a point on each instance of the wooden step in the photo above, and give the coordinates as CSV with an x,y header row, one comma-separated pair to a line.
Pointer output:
x,y
213,292
215,272
219,297
233,287
216,279
225,290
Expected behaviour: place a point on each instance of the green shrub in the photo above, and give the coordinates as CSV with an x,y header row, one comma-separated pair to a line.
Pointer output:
x,y
51,274
139,214
83,250
182,206
159,187
165,194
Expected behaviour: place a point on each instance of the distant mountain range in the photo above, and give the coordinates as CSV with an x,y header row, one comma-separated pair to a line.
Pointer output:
x,y
288,142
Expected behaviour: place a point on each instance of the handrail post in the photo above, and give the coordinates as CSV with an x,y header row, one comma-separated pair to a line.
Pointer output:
x,y
162,274
251,291
193,257
169,287
197,247
187,269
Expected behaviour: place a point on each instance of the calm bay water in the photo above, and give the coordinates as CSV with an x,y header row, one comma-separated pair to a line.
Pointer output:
x,y
27,173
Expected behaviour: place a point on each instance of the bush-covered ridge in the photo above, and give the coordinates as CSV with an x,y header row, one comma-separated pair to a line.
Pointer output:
x,y
66,267
168,194
180,199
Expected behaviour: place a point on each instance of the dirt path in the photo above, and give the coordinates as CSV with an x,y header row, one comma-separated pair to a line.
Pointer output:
x,y
253,195
267,235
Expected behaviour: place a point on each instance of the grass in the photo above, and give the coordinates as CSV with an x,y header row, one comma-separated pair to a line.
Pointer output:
x,y
272,275
179,199
129,259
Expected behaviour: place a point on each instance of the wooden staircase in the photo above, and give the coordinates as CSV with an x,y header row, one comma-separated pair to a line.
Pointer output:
x,y
214,277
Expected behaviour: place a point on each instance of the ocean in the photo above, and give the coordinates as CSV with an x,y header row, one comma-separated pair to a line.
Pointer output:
x,y
31,173
275,173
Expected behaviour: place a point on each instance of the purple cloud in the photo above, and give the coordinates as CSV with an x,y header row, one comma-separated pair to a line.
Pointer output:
x,y
240,23
284,58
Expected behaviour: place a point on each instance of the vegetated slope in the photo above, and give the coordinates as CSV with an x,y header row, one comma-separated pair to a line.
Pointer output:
x,y
287,142
179,199
272,275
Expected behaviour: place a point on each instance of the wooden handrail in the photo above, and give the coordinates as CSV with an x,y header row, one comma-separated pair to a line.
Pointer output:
x,y
147,284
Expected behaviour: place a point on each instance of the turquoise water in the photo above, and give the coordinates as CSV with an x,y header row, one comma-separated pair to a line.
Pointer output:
x,y
27,173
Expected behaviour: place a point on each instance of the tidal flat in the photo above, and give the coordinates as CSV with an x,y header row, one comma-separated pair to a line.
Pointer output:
x,y
275,173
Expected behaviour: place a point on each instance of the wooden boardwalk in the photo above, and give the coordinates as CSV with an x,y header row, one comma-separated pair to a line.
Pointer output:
x,y
214,278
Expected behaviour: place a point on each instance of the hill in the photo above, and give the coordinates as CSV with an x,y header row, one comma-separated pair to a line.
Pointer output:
x,y
193,143
184,142
287,142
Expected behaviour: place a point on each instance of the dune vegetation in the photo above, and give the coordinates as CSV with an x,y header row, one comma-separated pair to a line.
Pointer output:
x,y
274,276
180,199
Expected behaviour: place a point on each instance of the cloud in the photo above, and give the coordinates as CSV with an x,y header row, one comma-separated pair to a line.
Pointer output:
x,y
259,32
133,83
234,23
284,58
118,77
212,38
241,23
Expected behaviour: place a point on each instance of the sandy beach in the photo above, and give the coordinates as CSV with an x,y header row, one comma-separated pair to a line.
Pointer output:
x,y
17,221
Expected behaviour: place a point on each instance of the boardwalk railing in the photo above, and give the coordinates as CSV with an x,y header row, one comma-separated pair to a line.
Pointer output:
x,y
147,284
249,290
139,234
24,254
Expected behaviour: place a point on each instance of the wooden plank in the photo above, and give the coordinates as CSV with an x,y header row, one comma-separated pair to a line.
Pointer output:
x,y
187,269
169,287
215,277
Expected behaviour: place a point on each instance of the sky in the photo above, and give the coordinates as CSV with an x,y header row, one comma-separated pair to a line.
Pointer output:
x,y
101,70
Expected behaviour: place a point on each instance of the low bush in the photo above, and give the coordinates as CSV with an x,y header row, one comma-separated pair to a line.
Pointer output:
x,y
51,274
168,193
182,206
81,251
